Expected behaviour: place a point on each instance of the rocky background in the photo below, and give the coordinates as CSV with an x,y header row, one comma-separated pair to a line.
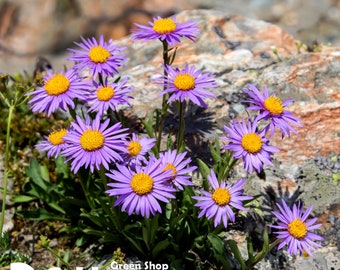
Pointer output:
x,y
238,50
31,28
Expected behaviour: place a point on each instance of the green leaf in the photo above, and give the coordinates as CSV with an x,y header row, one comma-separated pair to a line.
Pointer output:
x,y
93,232
40,214
61,167
172,57
136,244
148,125
250,249
216,243
97,218
44,173
152,228
224,260
146,238
204,169
159,247
215,151
234,248
22,199
34,172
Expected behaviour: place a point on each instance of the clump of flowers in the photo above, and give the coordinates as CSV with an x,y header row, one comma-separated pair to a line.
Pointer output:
x,y
144,193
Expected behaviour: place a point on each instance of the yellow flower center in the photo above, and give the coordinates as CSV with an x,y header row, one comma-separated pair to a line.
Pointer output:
x,y
57,84
171,167
141,183
92,140
56,137
184,82
251,142
273,105
297,228
221,196
134,148
98,54
105,93
164,26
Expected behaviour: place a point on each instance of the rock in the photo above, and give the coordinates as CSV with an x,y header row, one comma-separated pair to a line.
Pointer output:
x,y
33,28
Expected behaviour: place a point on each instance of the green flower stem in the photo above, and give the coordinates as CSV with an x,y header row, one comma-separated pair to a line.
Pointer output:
x,y
231,163
165,97
8,131
84,182
260,256
103,176
181,128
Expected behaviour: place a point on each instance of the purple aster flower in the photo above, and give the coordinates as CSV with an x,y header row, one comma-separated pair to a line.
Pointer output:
x,y
93,143
58,91
249,144
53,143
177,164
219,202
166,29
187,83
99,57
140,190
108,96
295,229
273,109
137,148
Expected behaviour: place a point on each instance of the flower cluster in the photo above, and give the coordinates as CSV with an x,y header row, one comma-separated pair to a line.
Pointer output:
x,y
247,140
143,177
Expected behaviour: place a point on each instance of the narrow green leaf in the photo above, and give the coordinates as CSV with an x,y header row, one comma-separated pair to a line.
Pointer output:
x,y
22,199
204,169
234,248
159,247
148,125
137,245
224,260
216,243
44,173
146,237
40,214
154,228
250,251
61,167
34,171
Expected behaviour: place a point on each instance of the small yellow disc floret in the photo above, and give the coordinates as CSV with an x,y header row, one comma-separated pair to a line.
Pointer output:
x,y
141,183
57,84
184,82
98,54
92,140
221,196
251,142
164,26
